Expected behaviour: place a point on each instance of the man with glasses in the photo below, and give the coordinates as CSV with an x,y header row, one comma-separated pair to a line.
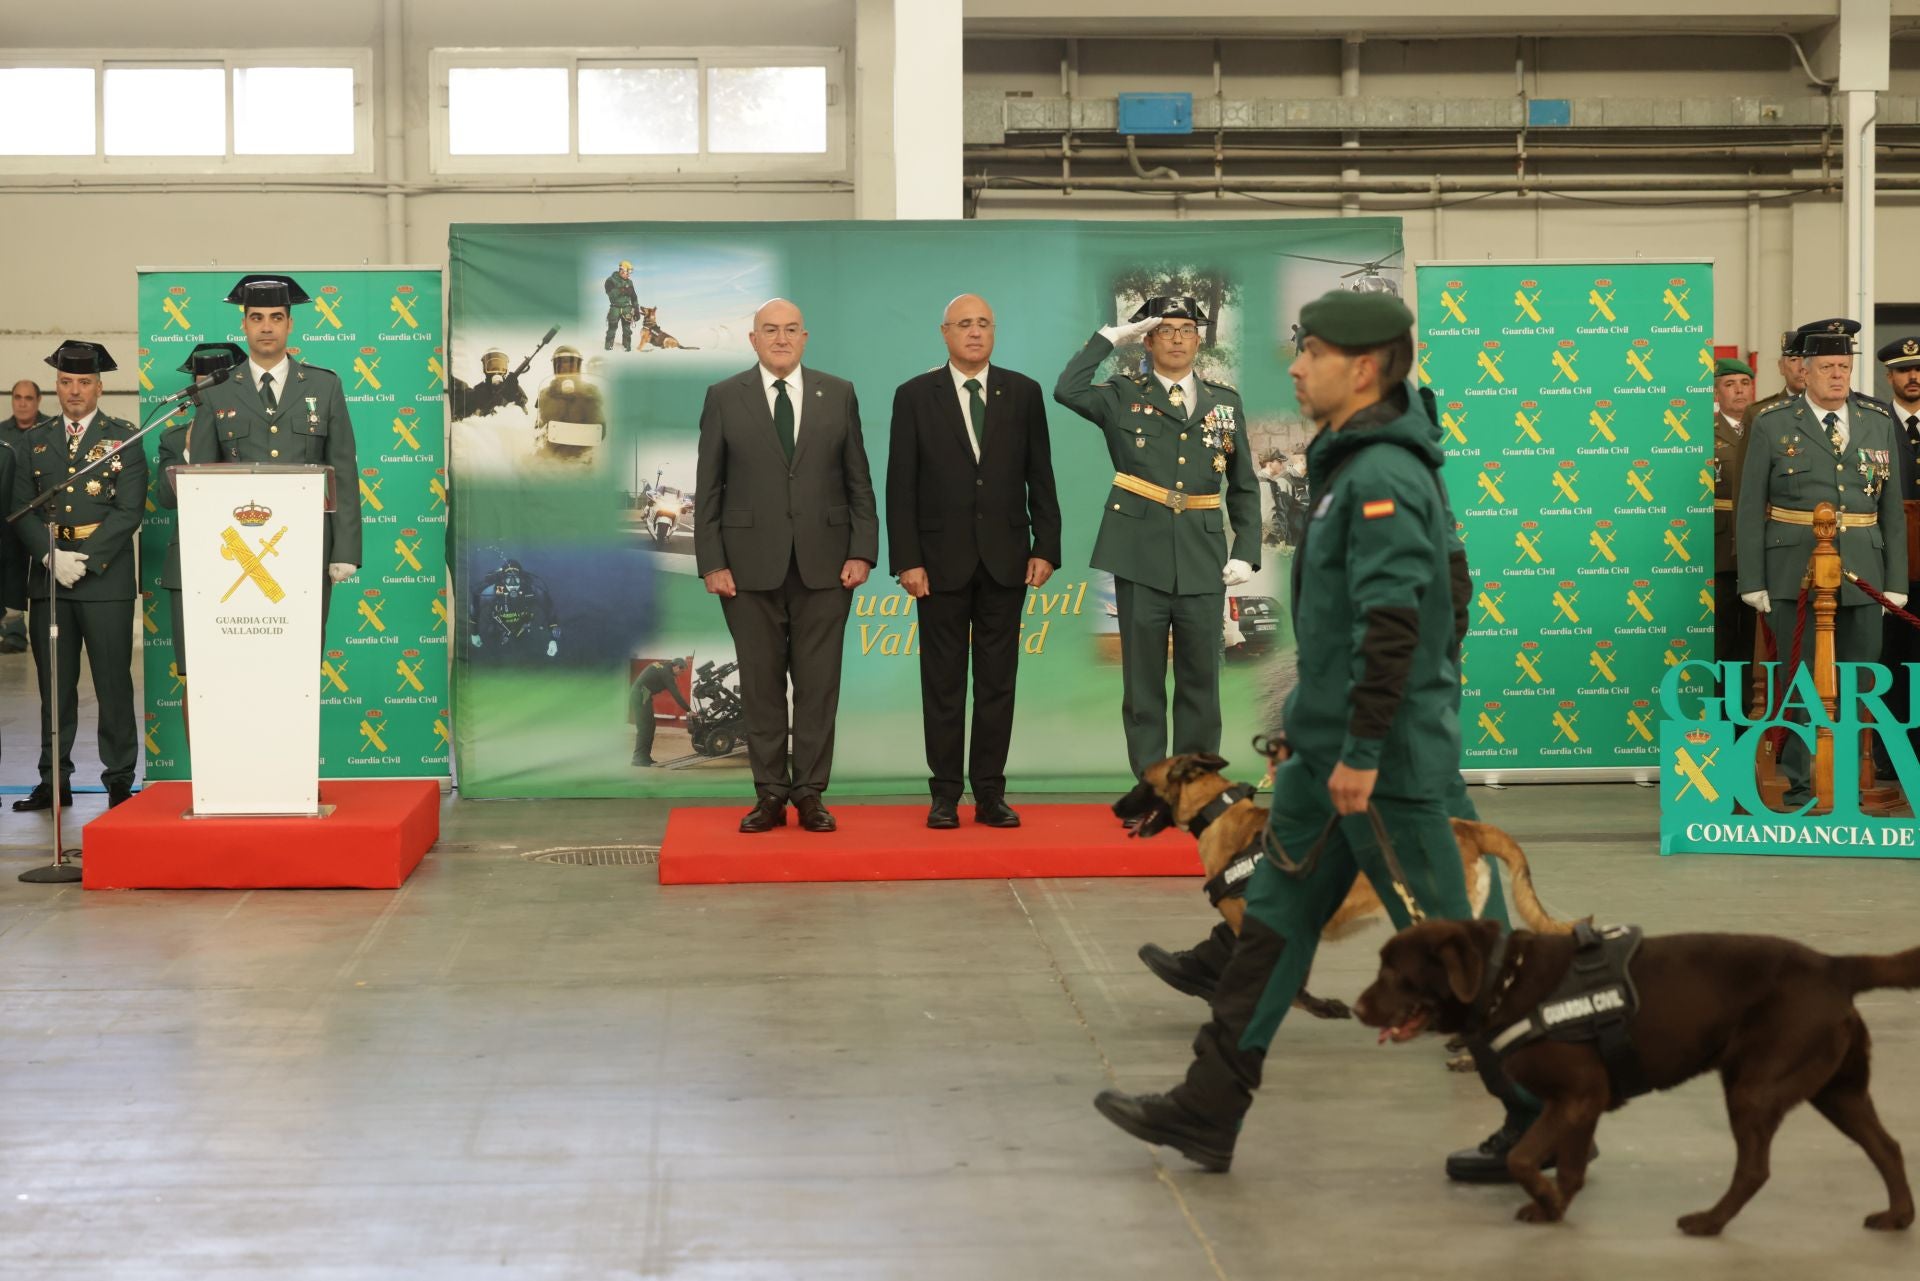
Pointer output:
x,y
1178,443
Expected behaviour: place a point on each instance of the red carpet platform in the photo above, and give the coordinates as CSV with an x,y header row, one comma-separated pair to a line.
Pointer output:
x,y
703,846
373,840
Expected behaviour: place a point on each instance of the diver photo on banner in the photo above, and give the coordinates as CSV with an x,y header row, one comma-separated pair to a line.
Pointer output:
x,y
1576,406
586,643
381,672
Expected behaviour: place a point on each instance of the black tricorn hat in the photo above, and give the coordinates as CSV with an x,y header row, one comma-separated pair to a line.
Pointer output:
x,y
1828,337
76,357
267,291
212,357
1185,308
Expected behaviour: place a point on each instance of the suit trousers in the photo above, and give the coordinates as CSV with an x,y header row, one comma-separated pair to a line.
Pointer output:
x,y
1148,617
1856,639
982,618
792,632
105,629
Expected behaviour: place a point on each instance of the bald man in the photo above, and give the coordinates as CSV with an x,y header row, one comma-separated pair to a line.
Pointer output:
x,y
967,552
783,532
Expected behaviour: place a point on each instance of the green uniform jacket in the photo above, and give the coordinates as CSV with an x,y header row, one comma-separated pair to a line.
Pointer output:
x,y
13,555
654,678
1790,463
117,505
1375,602
1727,441
309,426
1147,542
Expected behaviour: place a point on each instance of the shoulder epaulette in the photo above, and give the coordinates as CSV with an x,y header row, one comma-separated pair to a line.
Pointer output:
x,y
1868,402
1215,382
1778,406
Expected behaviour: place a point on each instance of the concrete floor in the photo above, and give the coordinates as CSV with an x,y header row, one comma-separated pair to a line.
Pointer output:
x,y
526,1070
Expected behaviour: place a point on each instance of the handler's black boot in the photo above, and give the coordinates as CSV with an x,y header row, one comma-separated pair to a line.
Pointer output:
x,y
1160,1118
1488,1162
1195,971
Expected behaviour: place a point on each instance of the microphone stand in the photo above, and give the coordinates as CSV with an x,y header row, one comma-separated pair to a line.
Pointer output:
x,y
64,869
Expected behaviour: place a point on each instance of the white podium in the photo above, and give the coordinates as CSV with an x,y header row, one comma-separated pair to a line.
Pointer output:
x,y
251,545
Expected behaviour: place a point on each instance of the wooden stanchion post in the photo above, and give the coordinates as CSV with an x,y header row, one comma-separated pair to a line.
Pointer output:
x,y
1824,572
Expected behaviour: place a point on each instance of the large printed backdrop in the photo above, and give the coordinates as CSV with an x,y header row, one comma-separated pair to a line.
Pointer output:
x,y
382,676
1576,400
573,547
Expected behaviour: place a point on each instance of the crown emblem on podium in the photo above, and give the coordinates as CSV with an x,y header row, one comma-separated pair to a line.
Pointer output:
x,y
1699,737
252,514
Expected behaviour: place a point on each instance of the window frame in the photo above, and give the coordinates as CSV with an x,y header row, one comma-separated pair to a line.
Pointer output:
x,y
833,162
100,164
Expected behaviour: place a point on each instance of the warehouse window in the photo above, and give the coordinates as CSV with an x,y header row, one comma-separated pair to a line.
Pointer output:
x,y
660,111
186,113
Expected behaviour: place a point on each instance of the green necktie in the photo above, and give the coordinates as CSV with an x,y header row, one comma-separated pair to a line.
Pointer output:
x,y
976,410
1832,420
266,393
783,417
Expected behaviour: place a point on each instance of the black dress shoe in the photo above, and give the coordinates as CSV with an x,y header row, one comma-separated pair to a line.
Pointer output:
x,y
1155,1118
1179,971
993,811
41,798
119,794
1488,1162
943,814
814,816
765,816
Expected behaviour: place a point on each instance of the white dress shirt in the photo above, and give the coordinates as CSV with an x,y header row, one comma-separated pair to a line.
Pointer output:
x,y
1820,416
279,372
767,377
1189,390
966,403
86,424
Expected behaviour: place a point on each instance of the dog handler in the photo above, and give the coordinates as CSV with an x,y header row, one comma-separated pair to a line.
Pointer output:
x,y
1372,725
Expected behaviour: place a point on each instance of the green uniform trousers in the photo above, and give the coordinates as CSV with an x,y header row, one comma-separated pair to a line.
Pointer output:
x,y
1857,635
105,628
1148,617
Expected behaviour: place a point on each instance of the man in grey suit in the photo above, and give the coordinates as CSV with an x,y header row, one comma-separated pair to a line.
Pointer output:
x,y
783,530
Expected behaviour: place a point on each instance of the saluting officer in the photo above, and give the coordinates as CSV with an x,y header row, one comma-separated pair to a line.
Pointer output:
x,y
1179,448
84,539
1827,445
1732,393
207,358
275,409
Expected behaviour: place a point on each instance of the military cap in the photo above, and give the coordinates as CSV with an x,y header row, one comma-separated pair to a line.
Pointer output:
x,y
1901,353
1790,343
267,291
1348,319
1828,337
212,357
1187,308
1727,366
76,357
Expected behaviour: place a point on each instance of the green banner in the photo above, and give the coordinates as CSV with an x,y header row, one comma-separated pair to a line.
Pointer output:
x,y
383,678
573,543
1576,400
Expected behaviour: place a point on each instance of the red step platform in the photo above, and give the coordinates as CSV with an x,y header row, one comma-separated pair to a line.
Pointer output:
x,y
377,834
704,846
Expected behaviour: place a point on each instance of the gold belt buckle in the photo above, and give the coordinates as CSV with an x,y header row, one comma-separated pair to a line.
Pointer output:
x,y
1177,501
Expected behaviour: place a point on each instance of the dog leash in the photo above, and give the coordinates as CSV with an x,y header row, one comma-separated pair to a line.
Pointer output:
x,y
1304,868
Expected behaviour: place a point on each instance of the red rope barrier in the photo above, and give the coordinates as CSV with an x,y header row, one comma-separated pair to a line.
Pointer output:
x,y
1879,598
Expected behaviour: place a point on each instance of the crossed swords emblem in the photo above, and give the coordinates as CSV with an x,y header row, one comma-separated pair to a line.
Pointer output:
x,y
1525,303
1602,668
1676,424
234,548
1696,774
1490,727
1563,365
1563,726
1638,724
1637,482
1601,426
1563,601
1602,305
175,316
367,376
404,431
1454,424
1490,604
1639,365
401,313
1529,547
1676,303
1563,481
1528,666
325,306
1527,425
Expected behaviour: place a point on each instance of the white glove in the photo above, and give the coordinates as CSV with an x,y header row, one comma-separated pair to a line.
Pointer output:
x,y
1898,598
1759,600
475,638
1236,572
68,567
340,572
1132,331
553,647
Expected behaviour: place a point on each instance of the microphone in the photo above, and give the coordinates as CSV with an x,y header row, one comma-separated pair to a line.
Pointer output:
x,y
200,384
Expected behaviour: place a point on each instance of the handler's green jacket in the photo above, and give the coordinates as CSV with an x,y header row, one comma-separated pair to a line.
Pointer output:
x,y
1207,453
1377,588
1790,463
112,499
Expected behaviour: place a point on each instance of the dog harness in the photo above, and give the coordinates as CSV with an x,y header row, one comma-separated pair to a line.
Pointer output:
x,y
1231,882
1595,1002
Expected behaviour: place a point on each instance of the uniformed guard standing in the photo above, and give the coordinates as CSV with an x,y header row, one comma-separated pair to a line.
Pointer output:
x,y
85,541
1732,624
207,358
1179,448
1827,445
654,678
13,554
274,409
1902,642
623,306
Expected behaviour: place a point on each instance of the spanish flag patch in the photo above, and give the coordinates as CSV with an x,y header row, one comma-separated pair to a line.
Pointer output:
x,y
1378,508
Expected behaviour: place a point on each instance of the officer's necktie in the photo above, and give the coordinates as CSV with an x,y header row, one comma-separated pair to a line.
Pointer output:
x,y
1832,420
783,417
73,434
1177,397
977,412
266,393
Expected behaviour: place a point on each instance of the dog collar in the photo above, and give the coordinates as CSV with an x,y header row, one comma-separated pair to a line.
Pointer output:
x,y
1491,988
1213,809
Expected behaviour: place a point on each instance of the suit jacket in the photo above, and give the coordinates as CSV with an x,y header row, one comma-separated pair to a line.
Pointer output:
x,y
936,519
1790,463
309,424
755,513
113,498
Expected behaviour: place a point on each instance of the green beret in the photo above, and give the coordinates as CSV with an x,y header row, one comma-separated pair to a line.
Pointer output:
x,y
1728,365
1347,319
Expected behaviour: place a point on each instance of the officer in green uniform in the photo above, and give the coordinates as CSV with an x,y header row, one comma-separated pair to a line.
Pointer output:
x,y
1827,445
206,359
13,554
1372,726
1179,448
1732,624
623,306
570,419
274,409
654,678
84,541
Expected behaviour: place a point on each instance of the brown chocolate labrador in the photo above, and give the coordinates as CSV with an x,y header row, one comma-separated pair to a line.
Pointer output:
x,y
1774,1018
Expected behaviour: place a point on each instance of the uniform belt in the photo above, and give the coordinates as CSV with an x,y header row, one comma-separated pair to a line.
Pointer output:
x,y
1723,504
1174,499
1848,520
75,533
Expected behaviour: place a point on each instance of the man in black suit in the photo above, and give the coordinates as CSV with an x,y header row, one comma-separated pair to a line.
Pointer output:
x,y
784,531
968,553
